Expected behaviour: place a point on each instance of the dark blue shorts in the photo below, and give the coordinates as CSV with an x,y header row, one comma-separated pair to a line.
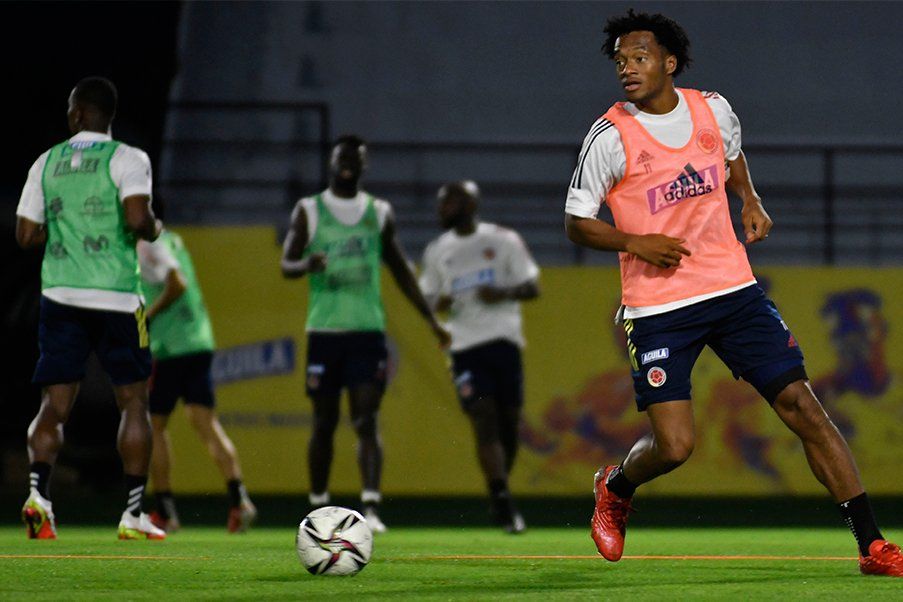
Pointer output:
x,y
493,369
743,328
67,335
186,377
345,360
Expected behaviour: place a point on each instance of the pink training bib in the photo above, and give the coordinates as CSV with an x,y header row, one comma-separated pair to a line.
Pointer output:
x,y
678,192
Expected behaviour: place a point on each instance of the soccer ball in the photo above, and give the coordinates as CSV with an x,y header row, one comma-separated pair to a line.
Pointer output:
x,y
334,541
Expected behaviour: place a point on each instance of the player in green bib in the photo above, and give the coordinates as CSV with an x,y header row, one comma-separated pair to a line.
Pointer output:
x,y
340,238
87,202
182,344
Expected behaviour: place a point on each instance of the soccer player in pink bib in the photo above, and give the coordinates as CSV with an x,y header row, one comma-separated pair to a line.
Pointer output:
x,y
663,161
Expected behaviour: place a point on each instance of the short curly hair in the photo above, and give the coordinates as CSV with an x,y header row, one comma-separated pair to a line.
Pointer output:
x,y
666,31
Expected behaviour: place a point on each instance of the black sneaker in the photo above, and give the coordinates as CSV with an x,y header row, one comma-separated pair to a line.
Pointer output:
x,y
505,514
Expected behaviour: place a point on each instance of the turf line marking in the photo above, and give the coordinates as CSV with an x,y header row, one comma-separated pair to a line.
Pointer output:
x,y
642,557
95,557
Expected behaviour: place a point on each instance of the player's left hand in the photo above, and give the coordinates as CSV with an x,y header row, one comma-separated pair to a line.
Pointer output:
x,y
492,294
756,223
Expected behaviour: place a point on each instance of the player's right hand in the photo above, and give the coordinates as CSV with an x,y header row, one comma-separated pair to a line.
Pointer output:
x,y
658,249
316,262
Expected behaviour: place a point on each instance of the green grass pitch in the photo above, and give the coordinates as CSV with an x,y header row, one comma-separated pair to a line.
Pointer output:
x,y
442,564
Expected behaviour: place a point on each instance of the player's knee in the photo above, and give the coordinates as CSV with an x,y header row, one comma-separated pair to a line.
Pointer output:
x,y
797,403
364,425
487,435
325,424
198,421
676,450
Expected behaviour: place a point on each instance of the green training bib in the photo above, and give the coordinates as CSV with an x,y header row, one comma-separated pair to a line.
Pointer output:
x,y
346,296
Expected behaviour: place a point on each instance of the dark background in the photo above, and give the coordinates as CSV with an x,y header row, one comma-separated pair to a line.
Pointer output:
x,y
416,73
47,47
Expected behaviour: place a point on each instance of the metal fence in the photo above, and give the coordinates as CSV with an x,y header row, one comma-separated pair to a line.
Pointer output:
x,y
833,204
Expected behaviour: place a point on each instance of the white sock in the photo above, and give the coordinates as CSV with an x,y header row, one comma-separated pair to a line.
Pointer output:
x,y
318,499
371,496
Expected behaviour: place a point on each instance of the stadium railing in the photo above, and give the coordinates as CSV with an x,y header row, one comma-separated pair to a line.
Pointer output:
x,y
833,204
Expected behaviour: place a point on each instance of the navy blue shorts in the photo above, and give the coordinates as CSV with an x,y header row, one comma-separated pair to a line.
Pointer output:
x,y
186,377
68,334
743,328
493,369
345,360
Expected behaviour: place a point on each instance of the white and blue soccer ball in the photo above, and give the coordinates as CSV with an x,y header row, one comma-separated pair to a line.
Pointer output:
x,y
334,541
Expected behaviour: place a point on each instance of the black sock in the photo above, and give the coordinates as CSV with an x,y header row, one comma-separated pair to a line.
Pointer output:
x,y
165,503
236,492
618,484
858,515
498,488
134,491
500,497
39,475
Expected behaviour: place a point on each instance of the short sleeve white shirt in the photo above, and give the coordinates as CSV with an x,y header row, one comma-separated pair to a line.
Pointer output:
x,y
602,160
457,266
130,170
156,261
602,163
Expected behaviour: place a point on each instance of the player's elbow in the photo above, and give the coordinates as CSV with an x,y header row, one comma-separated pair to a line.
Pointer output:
x,y
28,235
176,284
572,228
23,239
291,268
141,225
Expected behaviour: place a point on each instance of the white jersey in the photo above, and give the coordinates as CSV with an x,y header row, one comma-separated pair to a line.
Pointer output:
x,y
130,170
346,211
456,266
602,163
156,261
602,160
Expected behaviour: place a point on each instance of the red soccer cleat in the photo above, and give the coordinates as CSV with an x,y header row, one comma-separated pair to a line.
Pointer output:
x,y
884,558
170,525
37,514
242,517
609,523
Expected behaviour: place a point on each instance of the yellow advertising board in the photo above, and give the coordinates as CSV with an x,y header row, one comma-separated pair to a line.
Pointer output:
x,y
579,411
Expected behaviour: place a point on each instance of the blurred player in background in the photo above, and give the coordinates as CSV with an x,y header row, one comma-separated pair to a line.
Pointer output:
x,y
662,161
339,237
87,201
182,344
479,273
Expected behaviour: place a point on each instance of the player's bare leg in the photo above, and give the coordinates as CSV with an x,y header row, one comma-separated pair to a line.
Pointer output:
x,y
134,441
242,511
135,437
365,400
45,434
826,450
668,446
494,459
165,516
45,438
509,434
160,466
220,447
320,446
833,465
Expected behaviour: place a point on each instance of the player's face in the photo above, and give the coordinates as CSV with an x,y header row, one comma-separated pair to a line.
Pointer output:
x,y
454,208
644,67
348,162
